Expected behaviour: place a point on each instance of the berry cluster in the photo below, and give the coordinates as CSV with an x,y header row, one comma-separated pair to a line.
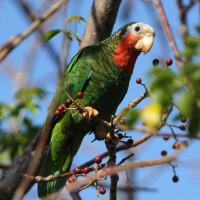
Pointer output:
x,y
121,136
63,107
82,172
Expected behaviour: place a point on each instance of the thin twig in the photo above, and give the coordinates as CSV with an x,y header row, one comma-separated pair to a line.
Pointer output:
x,y
131,105
16,40
168,31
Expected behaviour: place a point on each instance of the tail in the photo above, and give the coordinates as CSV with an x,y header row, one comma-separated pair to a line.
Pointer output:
x,y
61,165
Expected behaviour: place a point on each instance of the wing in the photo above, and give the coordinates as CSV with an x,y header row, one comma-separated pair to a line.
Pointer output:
x,y
75,78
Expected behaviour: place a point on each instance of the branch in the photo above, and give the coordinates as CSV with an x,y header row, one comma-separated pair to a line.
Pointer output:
x,y
17,39
130,106
168,31
183,10
100,22
141,164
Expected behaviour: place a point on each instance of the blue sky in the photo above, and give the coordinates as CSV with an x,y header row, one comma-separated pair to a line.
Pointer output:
x,y
43,73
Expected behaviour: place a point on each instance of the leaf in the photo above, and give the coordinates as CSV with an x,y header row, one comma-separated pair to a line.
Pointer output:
x,y
152,115
74,18
68,34
49,34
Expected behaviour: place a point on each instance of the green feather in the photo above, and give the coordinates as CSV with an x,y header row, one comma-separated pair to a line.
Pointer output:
x,y
92,71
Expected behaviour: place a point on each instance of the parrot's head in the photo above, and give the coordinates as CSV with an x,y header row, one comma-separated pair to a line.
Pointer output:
x,y
133,39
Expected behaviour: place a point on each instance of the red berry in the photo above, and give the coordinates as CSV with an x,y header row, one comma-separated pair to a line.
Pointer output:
x,y
120,136
183,119
121,121
166,137
155,62
86,170
79,95
163,153
169,62
68,102
102,190
138,80
176,145
129,141
175,179
71,179
77,170
63,105
57,112
98,159
60,108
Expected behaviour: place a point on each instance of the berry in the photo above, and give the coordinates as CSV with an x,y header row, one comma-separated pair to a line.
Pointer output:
x,y
79,95
176,145
86,170
77,170
138,80
71,179
155,62
129,141
144,123
63,105
165,110
68,102
142,109
183,119
182,128
121,121
98,159
120,136
163,153
169,62
102,190
184,143
60,108
57,112
166,137
175,179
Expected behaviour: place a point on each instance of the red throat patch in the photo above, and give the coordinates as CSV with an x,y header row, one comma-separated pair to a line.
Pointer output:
x,y
126,55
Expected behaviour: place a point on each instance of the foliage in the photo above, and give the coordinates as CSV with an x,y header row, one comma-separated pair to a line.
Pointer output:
x,y
69,34
16,122
181,88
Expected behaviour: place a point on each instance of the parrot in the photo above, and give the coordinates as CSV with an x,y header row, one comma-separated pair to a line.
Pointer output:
x,y
102,73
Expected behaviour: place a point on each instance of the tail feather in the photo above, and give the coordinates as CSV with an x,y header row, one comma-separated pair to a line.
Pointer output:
x,y
49,167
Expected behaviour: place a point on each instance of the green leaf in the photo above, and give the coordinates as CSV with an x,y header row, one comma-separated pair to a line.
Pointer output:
x,y
49,34
68,34
74,18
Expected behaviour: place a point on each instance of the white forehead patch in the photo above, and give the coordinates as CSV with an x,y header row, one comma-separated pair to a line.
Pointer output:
x,y
138,28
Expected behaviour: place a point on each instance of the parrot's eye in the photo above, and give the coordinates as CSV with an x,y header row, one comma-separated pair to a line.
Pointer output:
x,y
137,28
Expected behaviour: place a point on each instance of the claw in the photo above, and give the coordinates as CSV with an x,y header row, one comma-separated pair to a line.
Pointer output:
x,y
89,113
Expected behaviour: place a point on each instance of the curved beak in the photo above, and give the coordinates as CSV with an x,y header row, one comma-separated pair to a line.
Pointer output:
x,y
146,42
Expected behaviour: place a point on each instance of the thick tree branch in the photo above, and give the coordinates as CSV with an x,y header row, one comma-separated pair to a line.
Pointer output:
x,y
100,22
17,39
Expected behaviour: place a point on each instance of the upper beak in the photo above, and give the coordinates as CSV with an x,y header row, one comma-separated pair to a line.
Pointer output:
x,y
146,42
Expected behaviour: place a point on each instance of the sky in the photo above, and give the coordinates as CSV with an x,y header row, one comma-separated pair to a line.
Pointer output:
x,y
43,74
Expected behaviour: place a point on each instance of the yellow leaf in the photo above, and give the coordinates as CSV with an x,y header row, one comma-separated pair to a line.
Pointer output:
x,y
152,115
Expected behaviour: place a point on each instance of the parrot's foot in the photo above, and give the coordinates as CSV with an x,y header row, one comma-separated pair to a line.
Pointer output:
x,y
89,113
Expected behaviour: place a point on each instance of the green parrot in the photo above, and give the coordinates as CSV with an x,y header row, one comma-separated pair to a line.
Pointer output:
x,y
102,73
